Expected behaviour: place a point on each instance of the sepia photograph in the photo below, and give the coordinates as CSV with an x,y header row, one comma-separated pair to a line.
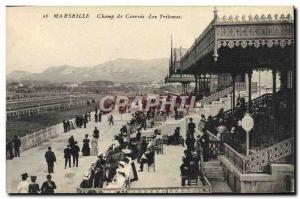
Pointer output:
x,y
169,100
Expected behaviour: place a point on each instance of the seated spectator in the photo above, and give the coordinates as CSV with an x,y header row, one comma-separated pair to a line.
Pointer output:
x,y
184,172
86,183
221,129
147,157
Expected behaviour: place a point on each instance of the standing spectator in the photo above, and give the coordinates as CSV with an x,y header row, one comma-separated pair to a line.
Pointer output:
x,y
34,187
191,127
94,144
100,116
204,140
75,154
48,186
96,133
9,149
50,159
85,120
190,142
71,141
96,117
67,156
111,120
23,185
65,125
68,125
86,146
17,145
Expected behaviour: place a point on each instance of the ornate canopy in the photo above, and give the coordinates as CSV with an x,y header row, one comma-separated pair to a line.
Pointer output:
x,y
239,44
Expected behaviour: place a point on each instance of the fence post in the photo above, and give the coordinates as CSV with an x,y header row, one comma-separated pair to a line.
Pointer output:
x,y
33,140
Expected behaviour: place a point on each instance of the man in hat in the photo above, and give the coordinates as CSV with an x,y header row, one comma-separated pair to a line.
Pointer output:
x,y
23,185
100,116
204,141
99,171
111,120
75,153
67,156
71,141
48,186
191,128
96,133
34,187
50,159
17,145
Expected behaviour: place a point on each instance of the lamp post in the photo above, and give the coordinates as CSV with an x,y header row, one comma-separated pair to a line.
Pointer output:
x,y
247,124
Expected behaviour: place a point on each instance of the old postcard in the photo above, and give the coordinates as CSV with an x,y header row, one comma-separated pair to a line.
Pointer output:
x,y
150,100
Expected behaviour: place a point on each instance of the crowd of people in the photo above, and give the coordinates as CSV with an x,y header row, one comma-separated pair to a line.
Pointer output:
x,y
33,187
197,152
116,166
13,148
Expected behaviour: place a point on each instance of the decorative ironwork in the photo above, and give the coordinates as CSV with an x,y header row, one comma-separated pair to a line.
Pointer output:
x,y
231,32
257,162
256,18
256,43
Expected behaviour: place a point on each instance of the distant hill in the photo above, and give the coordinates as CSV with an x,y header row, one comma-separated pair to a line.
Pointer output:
x,y
119,70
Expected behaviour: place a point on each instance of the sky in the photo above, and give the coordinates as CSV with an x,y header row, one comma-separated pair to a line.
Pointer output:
x,y
34,43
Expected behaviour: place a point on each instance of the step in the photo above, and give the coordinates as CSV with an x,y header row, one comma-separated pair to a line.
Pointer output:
x,y
211,164
217,178
213,169
219,175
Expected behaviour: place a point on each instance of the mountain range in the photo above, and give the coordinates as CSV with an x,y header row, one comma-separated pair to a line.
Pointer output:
x,y
119,71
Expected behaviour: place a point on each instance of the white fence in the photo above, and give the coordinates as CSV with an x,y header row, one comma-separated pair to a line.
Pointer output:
x,y
41,136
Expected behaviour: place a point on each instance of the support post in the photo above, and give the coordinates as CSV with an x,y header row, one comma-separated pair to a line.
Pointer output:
x,y
274,81
233,75
196,85
249,90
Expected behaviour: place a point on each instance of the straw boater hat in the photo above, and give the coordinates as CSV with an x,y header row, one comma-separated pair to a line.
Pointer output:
x,y
126,151
100,155
86,176
122,163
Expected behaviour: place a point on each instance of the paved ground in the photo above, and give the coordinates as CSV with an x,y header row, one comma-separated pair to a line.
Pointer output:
x,y
220,186
32,161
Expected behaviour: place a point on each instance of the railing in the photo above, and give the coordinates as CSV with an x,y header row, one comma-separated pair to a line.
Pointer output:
x,y
25,100
215,143
216,96
235,157
239,86
258,162
205,189
44,108
180,78
41,136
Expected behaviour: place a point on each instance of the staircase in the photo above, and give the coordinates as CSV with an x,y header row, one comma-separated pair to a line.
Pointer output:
x,y
213,170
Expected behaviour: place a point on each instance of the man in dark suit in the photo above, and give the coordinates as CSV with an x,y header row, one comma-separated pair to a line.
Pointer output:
x,y
67,156
100,116
48,186
96,133
17,145
191,127
50,159
75,153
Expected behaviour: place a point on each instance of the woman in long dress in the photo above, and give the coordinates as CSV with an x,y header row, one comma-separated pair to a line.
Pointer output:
x,y
86,147
94,146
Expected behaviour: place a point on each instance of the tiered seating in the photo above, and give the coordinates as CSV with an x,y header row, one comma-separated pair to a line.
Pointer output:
x,y
267,130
